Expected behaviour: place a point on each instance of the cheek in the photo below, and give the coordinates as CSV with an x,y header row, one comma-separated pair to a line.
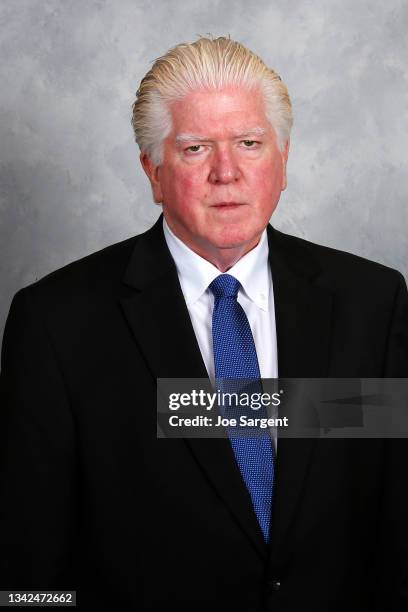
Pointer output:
x,y
187,187
268,180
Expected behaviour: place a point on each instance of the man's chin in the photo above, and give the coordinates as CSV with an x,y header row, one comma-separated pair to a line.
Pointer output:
x,y
237,239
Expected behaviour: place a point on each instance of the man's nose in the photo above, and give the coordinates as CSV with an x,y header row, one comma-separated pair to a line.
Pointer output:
x,y
224,168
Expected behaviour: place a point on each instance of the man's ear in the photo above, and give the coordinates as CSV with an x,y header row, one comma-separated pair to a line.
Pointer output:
x,y
284,155
152,172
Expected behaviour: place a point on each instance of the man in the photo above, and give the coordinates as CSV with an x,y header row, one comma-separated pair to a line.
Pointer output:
x,y
93,501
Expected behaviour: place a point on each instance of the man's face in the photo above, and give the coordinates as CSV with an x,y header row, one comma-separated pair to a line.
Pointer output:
x,y
222,172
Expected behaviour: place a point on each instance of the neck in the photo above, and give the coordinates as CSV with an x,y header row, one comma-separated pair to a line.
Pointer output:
x,y
224,259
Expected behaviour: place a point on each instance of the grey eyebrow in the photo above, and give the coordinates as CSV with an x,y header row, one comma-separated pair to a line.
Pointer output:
x,y
189,138
256,131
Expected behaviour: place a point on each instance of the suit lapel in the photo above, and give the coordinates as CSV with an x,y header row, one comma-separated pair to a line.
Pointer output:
x,y
303,311
159,320
160,323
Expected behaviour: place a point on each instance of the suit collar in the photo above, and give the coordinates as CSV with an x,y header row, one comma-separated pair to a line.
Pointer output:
x,y
156,311
303,308
150,259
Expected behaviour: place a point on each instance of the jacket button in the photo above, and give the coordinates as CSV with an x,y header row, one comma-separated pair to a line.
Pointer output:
x,y
274,585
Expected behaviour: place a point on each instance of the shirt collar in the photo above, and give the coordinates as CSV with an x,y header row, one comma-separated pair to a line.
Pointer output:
x,y
196,273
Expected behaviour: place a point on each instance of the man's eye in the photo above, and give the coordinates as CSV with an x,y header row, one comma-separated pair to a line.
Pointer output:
x,y
249,143
194,148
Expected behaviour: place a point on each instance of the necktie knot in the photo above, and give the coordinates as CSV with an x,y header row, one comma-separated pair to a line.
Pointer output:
x,y
225,286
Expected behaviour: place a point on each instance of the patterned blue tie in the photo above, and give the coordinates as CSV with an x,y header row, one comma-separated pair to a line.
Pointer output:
x,y
235,358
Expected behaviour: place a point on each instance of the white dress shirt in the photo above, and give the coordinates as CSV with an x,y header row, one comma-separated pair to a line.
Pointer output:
x,y
255,296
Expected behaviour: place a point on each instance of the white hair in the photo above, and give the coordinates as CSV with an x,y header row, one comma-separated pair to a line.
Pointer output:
x,y
207,63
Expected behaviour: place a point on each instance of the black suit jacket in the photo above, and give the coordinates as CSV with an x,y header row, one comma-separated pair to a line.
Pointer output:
x,y
93,501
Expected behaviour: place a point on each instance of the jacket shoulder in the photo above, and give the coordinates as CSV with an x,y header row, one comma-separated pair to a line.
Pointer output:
x,y
341,267
96,272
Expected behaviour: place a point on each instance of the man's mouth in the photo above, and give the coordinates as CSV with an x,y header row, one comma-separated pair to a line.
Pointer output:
x,y
227,205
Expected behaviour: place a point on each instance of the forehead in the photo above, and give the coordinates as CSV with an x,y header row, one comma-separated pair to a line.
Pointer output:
x,y
227,112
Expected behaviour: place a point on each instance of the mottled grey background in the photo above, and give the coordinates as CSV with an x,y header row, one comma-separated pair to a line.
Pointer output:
x,y
70,181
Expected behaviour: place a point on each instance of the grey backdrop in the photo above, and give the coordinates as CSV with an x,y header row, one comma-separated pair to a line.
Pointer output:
x,y
70,181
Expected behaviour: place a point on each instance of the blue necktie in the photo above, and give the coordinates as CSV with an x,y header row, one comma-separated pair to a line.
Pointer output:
x,y
235,358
